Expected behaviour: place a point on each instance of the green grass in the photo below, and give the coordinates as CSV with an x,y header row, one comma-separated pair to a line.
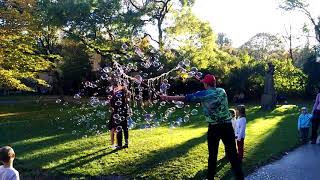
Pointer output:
x,y
157,153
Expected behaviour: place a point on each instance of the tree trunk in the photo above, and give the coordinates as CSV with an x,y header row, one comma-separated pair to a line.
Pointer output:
x,y
160,36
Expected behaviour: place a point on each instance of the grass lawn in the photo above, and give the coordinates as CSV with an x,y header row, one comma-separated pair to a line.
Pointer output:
x,y
42,137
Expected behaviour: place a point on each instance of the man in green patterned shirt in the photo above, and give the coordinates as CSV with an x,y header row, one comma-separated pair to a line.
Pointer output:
x,y
215,107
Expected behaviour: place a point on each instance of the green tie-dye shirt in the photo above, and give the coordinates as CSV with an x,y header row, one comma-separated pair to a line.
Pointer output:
x,y
215,104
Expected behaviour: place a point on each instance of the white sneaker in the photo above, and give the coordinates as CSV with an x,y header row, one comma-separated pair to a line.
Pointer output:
x,y
114,147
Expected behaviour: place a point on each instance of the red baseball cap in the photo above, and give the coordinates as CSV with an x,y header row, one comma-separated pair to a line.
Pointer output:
x,y
209,79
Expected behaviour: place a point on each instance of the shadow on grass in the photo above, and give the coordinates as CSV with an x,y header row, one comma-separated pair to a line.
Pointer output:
x,y
168,154
141,165
82,160
203,173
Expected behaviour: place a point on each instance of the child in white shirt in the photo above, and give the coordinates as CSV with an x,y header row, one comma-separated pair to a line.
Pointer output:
x,y
233,113
240,129
7,172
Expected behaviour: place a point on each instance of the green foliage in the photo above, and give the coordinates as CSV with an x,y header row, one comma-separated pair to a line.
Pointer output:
x,y
247,76
20,60
288,79
195,40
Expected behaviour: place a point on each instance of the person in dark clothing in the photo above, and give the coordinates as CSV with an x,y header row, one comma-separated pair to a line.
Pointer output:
x,y
315,118
118,121
215,106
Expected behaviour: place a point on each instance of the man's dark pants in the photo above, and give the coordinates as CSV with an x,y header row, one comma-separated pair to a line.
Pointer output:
x,y
315,125
224,132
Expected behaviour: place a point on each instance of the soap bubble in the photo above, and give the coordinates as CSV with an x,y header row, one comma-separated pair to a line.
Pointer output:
x,y
138,79
199,75
194,69
180,65
179,104
156,63
179,121
194,112
118,129
104,103
77,96
191,74
148,117
118,103
118,95
139,97
186,109
87,84
160,68
186,62
104,77
117,121
94,101
124,46
145,75
183,71
186,118
116,116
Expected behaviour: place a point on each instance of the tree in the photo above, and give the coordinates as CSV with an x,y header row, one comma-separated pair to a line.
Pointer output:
x,y
74,66
288,79
246,76
157,13
288,38
193,38
20,59
264,46
302,6
223,40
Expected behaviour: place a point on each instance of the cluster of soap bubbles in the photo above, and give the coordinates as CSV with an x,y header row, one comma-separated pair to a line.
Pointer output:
x,y
95,120
185,118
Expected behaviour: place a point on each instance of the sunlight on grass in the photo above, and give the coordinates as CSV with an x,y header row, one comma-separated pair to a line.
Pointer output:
x,y
10,114
158,153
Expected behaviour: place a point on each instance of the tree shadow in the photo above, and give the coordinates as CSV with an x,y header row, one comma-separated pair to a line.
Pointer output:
x,y
80,161
141,165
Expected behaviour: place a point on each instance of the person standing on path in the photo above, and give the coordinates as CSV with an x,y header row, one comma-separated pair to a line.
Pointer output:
x,y
315,118
215,106
304,123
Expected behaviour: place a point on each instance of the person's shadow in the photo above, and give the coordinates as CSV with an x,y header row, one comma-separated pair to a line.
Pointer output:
x,y
203,173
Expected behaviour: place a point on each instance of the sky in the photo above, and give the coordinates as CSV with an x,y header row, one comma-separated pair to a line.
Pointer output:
x,y
242,19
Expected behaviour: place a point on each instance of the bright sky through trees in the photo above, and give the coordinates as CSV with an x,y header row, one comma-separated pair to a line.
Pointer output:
x,y
242,19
